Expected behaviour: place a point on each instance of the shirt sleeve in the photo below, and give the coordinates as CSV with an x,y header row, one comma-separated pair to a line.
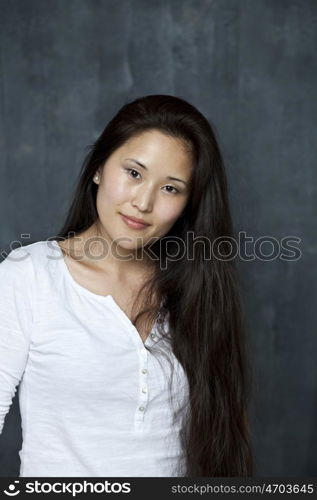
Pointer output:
x,y
15,323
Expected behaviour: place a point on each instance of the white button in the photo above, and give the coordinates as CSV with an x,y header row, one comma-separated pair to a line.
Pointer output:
x,y
144,370
141,408
153,336
143,389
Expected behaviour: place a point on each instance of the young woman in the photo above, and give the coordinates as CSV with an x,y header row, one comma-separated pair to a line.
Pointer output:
x,y
125,329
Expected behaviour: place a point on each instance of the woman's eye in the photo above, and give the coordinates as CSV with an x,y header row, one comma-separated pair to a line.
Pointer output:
x,y
175,190
132,170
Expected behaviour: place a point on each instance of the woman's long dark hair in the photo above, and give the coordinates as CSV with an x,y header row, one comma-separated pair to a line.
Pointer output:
x,y
199,294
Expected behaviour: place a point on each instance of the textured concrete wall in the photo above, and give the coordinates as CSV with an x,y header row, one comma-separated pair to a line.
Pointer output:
x,y
250,67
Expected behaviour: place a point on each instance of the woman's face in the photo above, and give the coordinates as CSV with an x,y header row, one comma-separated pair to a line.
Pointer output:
x,y
150,192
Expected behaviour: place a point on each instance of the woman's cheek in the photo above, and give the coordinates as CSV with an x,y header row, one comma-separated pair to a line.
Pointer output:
x,y
115,192
169,213
173,210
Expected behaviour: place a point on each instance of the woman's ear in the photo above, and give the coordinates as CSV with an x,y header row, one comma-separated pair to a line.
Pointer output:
x,y
97,177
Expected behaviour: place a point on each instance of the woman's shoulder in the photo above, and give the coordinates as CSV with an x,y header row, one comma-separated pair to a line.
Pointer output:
x,y
21,274
24,259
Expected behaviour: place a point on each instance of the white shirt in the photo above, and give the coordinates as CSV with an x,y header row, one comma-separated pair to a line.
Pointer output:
x,y
93,400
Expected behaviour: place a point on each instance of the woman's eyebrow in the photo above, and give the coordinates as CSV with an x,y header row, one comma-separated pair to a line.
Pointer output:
x,y
167,177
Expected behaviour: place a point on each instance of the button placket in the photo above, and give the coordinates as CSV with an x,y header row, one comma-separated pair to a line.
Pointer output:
x,y
142,405
143,385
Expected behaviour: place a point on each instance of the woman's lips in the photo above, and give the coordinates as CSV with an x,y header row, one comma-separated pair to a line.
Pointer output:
x,y
133,224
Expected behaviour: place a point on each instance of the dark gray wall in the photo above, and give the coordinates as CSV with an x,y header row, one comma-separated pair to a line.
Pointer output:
x,y
250,67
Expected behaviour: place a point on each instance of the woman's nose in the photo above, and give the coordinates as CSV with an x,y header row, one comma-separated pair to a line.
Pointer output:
x,y
143,200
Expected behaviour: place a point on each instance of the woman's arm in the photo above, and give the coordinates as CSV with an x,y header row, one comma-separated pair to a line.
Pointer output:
x,y
15,324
